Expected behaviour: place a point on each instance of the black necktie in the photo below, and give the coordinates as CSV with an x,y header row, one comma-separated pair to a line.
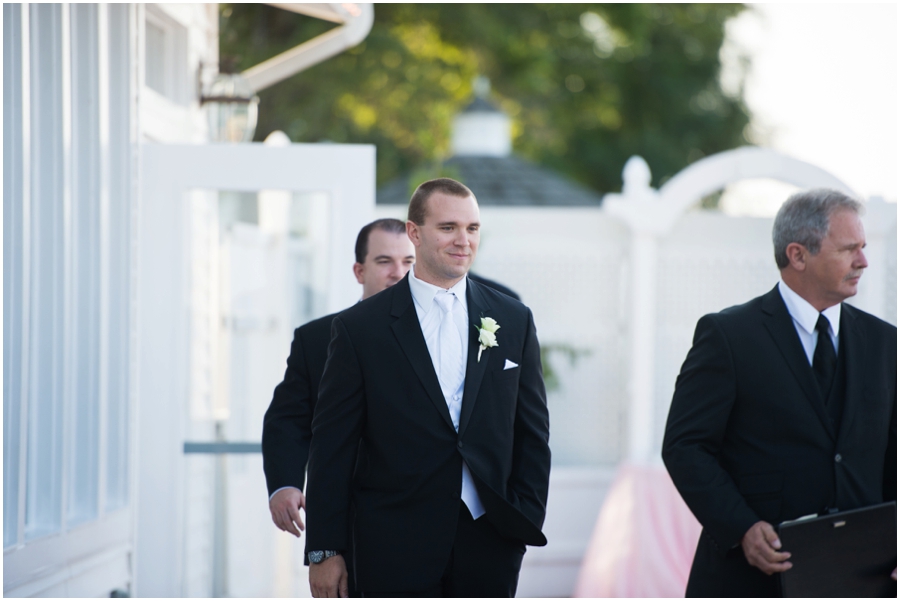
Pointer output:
x,y
824,359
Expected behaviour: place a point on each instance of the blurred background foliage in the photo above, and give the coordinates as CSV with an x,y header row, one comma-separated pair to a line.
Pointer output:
x,y
586,85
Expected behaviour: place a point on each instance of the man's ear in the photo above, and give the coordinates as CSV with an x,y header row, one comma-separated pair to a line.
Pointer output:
x,y
796,254
358,269
412,230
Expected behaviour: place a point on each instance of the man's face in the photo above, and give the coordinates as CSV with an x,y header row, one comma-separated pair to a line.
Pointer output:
x,y
389,257
447,242
835,270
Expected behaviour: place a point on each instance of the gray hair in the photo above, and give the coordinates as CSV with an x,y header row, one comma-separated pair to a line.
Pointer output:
x,y
804,219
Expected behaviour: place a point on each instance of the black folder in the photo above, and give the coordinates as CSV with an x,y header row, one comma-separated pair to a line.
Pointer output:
x,y
845,554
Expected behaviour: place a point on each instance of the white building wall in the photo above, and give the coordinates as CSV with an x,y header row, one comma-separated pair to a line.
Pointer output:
x,y
74,88
177,50
183,45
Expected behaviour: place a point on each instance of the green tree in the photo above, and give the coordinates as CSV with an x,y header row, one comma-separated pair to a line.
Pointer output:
x,y
587,85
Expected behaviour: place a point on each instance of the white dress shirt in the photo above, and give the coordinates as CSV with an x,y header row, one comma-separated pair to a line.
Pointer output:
x,y
430,316
805,317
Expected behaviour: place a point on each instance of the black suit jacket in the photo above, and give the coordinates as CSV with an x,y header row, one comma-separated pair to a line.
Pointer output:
x,y
380,387
287,426
748,437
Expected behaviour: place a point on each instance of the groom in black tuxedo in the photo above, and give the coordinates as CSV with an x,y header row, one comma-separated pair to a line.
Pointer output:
x,y
786,406
447,416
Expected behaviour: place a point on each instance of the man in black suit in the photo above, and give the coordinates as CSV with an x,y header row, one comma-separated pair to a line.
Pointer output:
x,y
451,478
384,254
786,406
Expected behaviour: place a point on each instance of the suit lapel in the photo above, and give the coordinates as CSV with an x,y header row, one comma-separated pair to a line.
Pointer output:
x,y
409,334
781,327
852,344
477,306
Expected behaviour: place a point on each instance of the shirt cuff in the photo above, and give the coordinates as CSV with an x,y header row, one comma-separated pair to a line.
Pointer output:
x,y
280,489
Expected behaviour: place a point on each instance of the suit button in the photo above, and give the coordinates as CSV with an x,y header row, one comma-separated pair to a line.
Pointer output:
x,y
837,458
459,444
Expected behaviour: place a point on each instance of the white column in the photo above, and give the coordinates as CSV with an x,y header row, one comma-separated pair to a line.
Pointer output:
x,y
642,330
639,206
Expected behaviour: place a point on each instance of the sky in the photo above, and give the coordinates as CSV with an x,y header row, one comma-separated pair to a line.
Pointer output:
x,y
822,87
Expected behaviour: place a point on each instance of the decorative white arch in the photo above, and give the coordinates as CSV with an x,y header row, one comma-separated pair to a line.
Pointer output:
x,y
646,209
713,173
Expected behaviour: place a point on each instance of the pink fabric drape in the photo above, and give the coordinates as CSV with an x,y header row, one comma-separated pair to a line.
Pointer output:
x,y
644,540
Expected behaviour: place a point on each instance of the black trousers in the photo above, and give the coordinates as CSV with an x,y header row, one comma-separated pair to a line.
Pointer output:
x,y
730,576
482,564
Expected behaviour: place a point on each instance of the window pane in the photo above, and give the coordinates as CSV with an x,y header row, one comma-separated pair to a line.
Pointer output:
x,y
119,257
166,56
45,432
12,266
83,457
156,57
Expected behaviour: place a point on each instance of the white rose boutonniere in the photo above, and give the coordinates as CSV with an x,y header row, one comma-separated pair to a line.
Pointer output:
x,y
487,334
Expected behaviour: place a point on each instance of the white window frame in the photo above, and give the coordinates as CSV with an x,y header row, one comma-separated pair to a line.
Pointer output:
x,y
176,85
163,118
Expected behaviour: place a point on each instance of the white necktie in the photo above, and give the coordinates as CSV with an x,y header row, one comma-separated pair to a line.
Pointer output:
x,y
451,378
451,348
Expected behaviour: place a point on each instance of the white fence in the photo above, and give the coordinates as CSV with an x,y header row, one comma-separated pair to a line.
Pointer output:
x,y
573,267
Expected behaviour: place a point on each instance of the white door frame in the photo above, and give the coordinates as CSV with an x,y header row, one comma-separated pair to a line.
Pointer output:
x,y
345,172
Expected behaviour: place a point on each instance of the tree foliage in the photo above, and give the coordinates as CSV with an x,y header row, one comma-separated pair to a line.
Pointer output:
x,y
587,85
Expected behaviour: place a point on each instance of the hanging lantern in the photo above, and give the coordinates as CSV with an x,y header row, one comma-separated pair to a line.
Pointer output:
x,y
232,108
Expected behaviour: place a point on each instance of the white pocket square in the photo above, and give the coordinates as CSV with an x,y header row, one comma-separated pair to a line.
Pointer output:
x,y
509,365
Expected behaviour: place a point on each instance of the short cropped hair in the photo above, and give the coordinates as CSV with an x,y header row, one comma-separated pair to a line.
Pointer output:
x,y
804,219
392,226
418,204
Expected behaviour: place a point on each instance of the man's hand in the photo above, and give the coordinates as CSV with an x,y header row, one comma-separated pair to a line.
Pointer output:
x,y
761,548
329,578
285,505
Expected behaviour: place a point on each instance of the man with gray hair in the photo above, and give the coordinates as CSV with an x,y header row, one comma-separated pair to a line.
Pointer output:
x,y
785,406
